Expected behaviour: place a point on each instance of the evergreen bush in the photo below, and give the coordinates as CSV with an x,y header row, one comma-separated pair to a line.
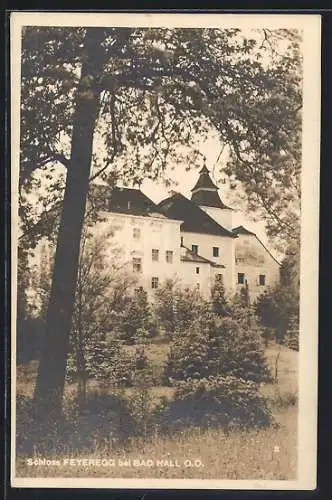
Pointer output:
x,y
225,401
176,307
217,346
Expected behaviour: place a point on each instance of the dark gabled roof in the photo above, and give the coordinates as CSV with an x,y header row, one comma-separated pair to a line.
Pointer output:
x,y
195,220
204,180
242,230
126,200
208,199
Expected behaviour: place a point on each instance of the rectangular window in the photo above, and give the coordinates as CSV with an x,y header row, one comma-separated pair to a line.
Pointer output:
x,y
155,254
137,265
181,240
154,282
136,233
194,249
240,278
169,256
197,270
262,280
215,251
219,277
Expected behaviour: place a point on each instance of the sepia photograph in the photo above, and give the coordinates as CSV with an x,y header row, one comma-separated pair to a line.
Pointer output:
x,y
165,207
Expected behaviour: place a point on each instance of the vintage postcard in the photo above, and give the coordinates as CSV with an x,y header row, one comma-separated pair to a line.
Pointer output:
x,y
165,207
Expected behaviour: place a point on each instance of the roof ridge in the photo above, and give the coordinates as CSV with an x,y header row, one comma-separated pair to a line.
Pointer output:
x,y
202,212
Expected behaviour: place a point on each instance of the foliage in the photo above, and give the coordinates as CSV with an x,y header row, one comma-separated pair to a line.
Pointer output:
x,y
219,303
95,350
176,307
153,90
278,307
29,337
104,419
23,271
225,401
154,97
27,328
213,347
134,320
263,135
216,366
291,337
276,310
105,361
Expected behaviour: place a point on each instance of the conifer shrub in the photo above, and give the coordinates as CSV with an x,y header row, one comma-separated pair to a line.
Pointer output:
x,y
217,346
176,307
225,401
105,361
135,317
219,303
216,366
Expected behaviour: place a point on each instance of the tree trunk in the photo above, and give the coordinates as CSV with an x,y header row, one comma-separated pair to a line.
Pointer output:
x,y
52,367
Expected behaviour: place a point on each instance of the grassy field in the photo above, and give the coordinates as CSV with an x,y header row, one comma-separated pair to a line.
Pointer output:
x,y
264,454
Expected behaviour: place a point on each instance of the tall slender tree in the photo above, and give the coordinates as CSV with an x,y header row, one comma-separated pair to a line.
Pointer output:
x,y
52,365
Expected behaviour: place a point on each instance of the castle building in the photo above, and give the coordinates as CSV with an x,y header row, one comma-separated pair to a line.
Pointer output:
x,y
189,240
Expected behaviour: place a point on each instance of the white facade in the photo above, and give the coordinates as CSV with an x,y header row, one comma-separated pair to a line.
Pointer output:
x,y
180,240
154,249
149,246
184,240
254,265
196,275
226,256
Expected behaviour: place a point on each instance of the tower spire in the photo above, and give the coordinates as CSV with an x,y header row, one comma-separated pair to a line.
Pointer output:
x,y
205,191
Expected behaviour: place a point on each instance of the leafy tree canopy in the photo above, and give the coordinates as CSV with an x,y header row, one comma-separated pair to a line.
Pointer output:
x,y
161,91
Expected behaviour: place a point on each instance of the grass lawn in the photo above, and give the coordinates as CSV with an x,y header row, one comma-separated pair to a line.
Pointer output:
x,y
238,455
264,454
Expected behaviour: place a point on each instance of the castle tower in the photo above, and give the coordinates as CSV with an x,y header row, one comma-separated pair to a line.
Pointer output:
x,y
205,194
